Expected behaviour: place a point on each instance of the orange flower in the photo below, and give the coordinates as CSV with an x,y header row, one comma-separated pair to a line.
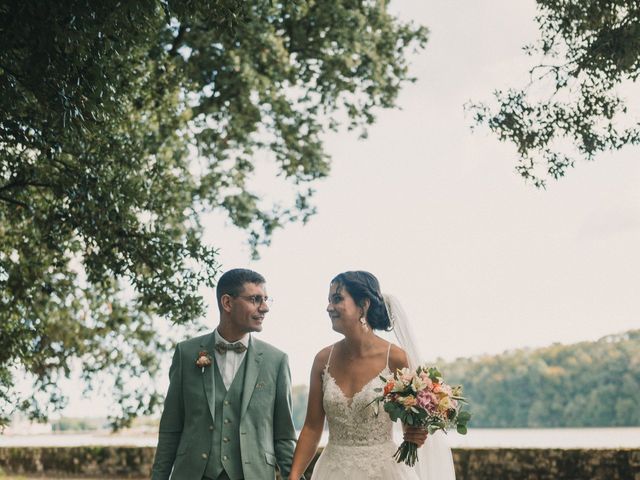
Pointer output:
x,y
388,387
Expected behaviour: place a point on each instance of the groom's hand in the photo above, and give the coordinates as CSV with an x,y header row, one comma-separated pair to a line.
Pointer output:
x,y
417,435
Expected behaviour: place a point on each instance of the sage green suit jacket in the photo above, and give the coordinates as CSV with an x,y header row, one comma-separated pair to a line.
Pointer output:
x,y
267,435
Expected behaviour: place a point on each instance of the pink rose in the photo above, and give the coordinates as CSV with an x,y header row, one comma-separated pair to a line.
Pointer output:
x,y
427,400
424,376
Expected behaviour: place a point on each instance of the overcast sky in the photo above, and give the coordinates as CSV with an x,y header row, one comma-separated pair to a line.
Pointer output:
x,y
482,261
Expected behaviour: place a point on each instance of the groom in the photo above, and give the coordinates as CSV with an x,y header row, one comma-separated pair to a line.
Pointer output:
x,y
227,413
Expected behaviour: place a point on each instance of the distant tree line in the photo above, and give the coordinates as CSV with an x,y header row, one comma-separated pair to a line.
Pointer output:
x,y
299,397
68,424
588,384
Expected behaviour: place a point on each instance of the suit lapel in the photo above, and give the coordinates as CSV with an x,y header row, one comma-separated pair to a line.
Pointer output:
x,y
208,376
254,357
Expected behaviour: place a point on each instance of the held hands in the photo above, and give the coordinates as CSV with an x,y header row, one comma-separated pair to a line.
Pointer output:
x,y
417,435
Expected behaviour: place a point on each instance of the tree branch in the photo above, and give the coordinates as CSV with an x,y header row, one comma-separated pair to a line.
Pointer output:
x,y
25,184
10,72
15,202
178,41
22,81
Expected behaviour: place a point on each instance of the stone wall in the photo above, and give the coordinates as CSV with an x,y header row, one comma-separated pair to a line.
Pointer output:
x,y
471,464
547,464
93,462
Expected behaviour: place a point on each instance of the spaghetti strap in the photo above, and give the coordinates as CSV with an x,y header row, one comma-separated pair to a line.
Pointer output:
x,y
388,352
326,367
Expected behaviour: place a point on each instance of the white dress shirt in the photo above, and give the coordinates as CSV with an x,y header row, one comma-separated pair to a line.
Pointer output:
x,y
229,362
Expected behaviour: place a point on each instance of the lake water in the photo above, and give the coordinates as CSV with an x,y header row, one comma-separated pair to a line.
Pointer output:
x,y
548,438
476,438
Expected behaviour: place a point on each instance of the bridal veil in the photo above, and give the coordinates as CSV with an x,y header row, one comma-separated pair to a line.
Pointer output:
x,y
435,461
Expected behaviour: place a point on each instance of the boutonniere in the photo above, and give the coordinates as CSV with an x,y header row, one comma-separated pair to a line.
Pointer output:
x,y
204,360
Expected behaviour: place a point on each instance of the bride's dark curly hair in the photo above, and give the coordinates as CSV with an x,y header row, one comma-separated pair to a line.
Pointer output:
x,y
362,285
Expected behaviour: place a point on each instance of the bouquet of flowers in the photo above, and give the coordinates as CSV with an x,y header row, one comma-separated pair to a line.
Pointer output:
x,y
422,399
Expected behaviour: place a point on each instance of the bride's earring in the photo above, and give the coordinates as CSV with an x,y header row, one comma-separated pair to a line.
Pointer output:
x,y
363,323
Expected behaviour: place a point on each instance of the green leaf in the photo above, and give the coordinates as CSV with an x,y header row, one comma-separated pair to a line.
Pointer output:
x,y
587,51
121,127
464,416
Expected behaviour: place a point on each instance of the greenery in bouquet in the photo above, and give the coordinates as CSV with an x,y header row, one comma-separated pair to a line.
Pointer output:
x,y
422,399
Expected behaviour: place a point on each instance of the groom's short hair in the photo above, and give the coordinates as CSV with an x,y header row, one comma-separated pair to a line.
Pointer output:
x,y
232,282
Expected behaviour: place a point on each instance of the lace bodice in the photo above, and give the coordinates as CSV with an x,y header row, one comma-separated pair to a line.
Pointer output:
x,y
360,442
353,421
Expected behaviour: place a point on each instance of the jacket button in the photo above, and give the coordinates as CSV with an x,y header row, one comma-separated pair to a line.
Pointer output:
x,y
225,439
204,455
226,402
226,420
225,457
210,427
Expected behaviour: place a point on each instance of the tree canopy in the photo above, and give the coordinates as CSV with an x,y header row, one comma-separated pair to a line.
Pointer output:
x,y
574,106
123,122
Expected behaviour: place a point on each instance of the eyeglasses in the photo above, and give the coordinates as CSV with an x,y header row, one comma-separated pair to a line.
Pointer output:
x,y
257,300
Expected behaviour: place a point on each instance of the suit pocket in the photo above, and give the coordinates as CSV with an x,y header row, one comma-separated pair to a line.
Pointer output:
x,y
263,388
263,396
270,459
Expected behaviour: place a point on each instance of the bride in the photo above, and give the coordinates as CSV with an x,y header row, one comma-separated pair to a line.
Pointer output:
x,y
343,379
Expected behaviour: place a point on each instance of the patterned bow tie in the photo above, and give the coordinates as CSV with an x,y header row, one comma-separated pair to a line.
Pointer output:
x,y
238,347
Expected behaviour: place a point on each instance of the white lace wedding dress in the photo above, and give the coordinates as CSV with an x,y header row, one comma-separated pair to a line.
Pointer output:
x,y
360,445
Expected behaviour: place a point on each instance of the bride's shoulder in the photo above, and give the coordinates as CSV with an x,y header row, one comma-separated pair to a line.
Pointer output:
x,y
397,358
323,355
322,358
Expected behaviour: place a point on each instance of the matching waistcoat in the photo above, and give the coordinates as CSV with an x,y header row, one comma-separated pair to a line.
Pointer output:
x,y
225,451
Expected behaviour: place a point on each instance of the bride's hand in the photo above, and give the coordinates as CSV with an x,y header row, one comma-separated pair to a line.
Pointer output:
x,y
417,435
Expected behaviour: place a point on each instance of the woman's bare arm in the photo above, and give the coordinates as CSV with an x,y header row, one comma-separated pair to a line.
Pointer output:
x,y
313,422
